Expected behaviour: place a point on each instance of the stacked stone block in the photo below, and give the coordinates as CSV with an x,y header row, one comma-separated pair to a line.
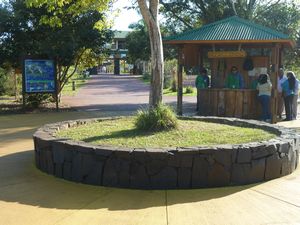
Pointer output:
x,y
167,168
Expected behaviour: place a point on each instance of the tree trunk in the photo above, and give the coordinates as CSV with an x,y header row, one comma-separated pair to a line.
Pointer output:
x,y
150,15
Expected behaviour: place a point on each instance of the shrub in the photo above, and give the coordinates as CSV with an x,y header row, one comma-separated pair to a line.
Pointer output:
x,y
170,71
159,118
189,90
167,82
33,101
146,76
7,83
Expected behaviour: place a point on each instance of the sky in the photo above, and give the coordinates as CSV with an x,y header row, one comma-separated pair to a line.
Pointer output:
x,y
125,17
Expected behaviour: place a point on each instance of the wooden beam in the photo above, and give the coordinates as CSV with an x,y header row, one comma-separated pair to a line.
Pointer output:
x,y
275,60
179,80
283,41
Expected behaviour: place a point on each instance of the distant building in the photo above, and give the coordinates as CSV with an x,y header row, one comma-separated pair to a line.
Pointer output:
x,y
118,49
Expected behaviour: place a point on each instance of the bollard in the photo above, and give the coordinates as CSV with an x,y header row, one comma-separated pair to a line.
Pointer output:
x,y
73,85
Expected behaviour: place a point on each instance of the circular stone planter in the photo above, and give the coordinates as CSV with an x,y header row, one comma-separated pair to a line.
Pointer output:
x,y
167,168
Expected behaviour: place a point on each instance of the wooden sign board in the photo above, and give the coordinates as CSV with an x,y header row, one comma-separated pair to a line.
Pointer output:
x,y
227,54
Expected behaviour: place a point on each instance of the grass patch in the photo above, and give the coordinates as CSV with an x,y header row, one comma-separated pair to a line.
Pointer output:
x,y
169,92
159,118
67,90
122,132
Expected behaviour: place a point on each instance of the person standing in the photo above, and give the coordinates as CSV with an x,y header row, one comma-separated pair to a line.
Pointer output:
x,y
201,82
281,79
264,88
234,79
289,90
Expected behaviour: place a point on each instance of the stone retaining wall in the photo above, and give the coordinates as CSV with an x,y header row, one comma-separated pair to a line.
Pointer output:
x,y
167,168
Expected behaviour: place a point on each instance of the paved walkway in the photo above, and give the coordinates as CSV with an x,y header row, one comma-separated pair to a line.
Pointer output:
x,y
30,197
107,93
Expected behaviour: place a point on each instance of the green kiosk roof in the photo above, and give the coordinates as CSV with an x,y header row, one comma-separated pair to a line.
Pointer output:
x,y
232,29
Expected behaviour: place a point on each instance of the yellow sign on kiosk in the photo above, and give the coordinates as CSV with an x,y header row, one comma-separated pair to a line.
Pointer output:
x,y
227,54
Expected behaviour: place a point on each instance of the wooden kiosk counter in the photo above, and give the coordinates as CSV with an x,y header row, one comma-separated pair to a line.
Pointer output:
x,y
240,103
219,46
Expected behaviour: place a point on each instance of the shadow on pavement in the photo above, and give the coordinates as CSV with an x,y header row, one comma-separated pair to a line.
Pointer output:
x,y
22,183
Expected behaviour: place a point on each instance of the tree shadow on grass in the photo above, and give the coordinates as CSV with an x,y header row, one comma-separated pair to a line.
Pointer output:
x,y
128,134
21,182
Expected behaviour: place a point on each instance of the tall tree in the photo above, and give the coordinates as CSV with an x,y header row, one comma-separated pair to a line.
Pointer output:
x,y
188,14
149,10
70,38
138,44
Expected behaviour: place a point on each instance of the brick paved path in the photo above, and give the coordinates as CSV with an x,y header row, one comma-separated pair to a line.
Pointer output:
x,y
117,93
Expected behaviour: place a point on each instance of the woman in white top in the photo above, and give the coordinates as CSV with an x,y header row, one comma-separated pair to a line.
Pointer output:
x,y
264,88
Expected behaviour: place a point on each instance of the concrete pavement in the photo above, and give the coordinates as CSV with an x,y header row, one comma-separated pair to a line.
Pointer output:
x,y
125,93
27,196
30,197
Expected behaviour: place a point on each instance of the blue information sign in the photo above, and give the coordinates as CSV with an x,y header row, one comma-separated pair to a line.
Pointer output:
x,y
39,75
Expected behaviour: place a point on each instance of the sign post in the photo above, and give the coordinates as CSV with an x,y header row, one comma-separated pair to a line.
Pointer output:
x,y
39,76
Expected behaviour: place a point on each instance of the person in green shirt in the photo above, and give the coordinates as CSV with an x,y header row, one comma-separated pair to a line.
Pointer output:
x,y
234,79
202,80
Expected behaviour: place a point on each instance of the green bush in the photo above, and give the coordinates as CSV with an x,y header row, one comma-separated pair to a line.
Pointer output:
x,y
167,82
156,119
189,90
33,101
7,83
146,76
170,71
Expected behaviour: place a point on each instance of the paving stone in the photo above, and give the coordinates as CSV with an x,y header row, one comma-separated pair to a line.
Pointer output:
x,y
87,164
124,154
42,144
50,165
223,156
58,149
186,159
199,172
285,166
273,167
155,166
110,174
58,167
257,172
124,175
95,175
43,160
166,168
140,156
263,151
284,147
218,176
174,160
184,177
240,173
244,155
138,177
67,170
293,162
37,159
76,167
167,178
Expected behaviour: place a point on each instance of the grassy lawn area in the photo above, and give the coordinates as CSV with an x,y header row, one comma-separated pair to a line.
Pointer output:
x,y
67,90
122,132
169,92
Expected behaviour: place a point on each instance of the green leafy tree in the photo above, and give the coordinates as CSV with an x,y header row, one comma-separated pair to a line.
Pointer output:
x,y
188,14
69,36
149,10
138,44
